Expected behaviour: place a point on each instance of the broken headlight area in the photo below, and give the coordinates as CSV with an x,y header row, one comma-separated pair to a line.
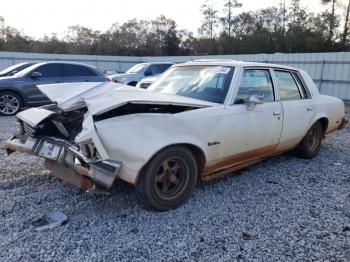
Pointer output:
x,y
67,161
50,122
50,133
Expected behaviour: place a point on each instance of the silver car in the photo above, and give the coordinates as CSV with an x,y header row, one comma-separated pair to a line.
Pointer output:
x,y
140,71
146,82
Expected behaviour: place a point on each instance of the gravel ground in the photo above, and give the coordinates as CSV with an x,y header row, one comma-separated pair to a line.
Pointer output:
x,y
282,209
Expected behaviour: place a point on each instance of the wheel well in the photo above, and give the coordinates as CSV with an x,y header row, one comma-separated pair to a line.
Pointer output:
x,y
132,83
324,122
14,92
195,150
198,154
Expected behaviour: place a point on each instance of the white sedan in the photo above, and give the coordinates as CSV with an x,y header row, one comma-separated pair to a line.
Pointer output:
x,y
201,119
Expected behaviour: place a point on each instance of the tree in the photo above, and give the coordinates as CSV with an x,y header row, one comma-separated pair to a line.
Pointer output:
x,y
209,24
83,40
166,35
210,21
227,21
331,19
346,26
297,27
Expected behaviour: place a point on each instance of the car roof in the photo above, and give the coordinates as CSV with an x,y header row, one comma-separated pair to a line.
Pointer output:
x,y
156,63
63,62
235,63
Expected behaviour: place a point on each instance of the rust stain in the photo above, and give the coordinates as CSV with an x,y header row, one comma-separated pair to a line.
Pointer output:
x,y
343,123
340,125
67,174
236,162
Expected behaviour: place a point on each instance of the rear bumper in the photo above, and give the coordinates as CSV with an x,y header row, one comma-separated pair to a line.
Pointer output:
x,y
66,161
343,123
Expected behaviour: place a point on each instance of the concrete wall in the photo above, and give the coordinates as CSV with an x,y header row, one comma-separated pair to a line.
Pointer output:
x,y
330,71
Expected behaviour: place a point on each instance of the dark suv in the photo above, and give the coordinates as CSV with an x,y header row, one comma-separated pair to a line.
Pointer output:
x,y
20,90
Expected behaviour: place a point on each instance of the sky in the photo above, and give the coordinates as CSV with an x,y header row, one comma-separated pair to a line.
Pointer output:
x,y
38,18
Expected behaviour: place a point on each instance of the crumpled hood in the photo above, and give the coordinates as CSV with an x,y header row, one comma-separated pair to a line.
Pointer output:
x,y
102,97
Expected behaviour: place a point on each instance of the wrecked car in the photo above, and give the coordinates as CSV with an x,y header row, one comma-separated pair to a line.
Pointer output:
x,y
200,120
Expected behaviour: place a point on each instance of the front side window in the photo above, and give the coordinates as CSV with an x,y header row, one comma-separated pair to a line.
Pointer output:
x,y
209,83
287,87
51,70
255,82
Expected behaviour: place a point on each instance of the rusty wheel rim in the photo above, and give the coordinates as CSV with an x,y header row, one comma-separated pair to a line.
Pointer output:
x,y
9,104
171,178
313,139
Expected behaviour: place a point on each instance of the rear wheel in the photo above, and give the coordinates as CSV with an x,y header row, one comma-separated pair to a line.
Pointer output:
x,y
168,179
10,103
311,143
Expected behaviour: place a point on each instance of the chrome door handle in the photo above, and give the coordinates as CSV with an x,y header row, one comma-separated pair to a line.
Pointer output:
x,y
276,113
309,109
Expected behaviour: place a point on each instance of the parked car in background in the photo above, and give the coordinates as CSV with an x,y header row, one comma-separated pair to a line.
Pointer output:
x,y
9,71
198,120
146,82
20,90
140,71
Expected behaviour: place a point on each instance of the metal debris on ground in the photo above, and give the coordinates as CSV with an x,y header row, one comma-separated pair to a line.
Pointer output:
x,y
52,220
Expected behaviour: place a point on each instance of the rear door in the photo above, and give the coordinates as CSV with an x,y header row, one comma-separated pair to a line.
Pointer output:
x,y
80,73
51,73
298,109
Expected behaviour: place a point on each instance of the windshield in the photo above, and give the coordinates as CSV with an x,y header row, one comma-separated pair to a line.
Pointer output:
x,y
209,83
11,68
137,68
26,70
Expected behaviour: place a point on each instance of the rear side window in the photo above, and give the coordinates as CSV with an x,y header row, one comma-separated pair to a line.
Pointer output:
x,y
287,86
78,70
51,70
255,82
301,86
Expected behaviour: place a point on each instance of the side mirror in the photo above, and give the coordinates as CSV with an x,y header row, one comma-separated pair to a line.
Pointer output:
x,y
148,73
35,75
255,100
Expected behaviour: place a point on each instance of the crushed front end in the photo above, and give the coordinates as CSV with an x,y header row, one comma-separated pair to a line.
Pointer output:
x,y
49,133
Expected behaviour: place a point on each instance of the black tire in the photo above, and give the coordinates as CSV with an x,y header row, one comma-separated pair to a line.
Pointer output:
x,y
310,146
132,84
10,103
168,180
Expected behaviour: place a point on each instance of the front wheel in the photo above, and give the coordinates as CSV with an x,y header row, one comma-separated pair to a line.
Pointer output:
x,y
311,143
168,180
10,103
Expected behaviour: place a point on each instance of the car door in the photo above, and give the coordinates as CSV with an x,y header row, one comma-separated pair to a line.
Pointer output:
x,y
298,109
80,73
251,131
51,73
